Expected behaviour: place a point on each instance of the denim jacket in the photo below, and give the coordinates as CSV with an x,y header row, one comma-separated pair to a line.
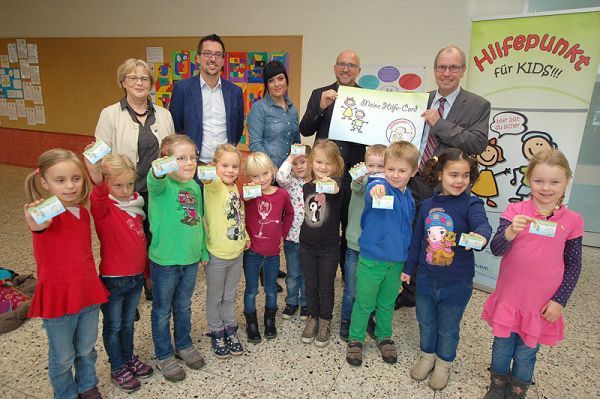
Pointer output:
x,y
273,130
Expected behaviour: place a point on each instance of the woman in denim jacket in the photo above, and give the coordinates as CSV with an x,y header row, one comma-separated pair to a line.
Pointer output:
x,y
273,120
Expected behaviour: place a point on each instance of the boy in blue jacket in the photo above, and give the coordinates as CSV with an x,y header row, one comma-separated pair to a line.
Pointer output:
x,y
384,243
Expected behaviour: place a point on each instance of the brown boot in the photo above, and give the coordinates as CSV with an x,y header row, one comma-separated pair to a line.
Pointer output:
x,y
423,367
441,374
516,389
310,330
324,332
498,384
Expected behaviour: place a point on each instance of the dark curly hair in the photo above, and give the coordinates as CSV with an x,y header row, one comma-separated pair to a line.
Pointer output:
x,y
435,166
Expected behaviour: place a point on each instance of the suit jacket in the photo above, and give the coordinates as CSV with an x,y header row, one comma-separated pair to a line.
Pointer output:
x,y
317,121
466,126
186,109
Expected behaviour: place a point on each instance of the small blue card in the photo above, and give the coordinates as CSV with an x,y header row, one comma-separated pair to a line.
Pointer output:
x,y
543,228
97,151
165,165
46,210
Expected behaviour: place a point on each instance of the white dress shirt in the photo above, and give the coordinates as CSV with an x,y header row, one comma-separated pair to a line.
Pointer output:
x,y
214,120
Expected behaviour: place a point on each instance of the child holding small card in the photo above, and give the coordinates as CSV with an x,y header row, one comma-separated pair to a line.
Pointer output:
x,y
68,292
177,248
292,175
384,242
540,244
320,238
226,241
446,270
118,217
268,219
373,165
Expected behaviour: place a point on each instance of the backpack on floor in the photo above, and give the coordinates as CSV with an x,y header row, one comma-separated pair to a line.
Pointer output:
x,y
15,298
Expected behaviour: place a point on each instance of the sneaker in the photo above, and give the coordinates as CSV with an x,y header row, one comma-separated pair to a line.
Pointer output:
x,y
139,368
354,353
310,330
91,393
303,313
192,358
387,347
281,274
170,369
345,330
124,379
219,345
324,332
371,327
233,341
289,311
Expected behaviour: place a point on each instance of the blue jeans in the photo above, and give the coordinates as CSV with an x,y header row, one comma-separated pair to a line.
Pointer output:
x,y
513,348
71,343
440,307
349,282
294,280
270,270
119,316
172,288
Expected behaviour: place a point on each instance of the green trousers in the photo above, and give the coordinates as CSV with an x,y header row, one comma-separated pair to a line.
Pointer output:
x,y
377,285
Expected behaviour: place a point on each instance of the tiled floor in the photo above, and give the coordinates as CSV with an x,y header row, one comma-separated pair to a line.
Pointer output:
x,y
286,368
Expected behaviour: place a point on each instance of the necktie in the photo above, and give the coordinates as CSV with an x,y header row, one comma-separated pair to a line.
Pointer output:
x,y
431,140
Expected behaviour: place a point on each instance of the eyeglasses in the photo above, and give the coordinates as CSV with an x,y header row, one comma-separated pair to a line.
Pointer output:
x,y
349,65
133,79
187,159
209,54
451,68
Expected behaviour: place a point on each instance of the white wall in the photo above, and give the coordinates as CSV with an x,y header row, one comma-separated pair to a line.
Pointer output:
x,y
405,32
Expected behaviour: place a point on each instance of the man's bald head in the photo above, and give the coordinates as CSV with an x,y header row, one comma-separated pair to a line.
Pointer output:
x,y
347,68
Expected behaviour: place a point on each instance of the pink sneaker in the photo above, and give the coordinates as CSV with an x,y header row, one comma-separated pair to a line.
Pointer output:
x,y
139,368
124,379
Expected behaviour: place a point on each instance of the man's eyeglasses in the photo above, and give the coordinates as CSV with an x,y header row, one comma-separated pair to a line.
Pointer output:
x,y
451,68
187,159
133,79
209,54
349,65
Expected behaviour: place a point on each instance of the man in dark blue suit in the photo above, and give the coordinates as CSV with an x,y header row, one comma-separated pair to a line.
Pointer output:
x,y
207,108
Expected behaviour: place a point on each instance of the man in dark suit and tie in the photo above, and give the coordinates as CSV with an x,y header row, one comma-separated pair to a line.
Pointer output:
x,y
455,118
207,108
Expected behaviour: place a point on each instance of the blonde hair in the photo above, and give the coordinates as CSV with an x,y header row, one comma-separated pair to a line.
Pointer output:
x,y
403,150
377,150
258,162
550,157
116,165
171,141
46,161
332,152
130,66
223,148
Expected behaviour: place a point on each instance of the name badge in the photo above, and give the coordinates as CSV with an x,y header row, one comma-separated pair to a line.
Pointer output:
x,y
97,151
162,166
252,191
325,187
46,210
385,202
471,240
207,172
358,171
543,228
298,149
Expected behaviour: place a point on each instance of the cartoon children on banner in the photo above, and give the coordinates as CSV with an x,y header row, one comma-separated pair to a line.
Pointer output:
x,y
533,142
355,116
486,185
440,238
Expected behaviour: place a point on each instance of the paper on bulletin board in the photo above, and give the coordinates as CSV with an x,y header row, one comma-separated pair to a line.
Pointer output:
x,y
12,52
27,91
21,108
377,117
154,55
12,111
32,54
4,61
37,95
22,48
40,115
25,70
31,116
35,74
3,107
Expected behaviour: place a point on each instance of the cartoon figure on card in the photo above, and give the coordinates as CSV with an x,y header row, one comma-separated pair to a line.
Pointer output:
x,y
533,142
486,186
188,204
235,212
349,105
440,238
357,122
316,211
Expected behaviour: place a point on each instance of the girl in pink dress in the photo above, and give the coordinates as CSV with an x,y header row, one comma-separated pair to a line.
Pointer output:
x,y
540,244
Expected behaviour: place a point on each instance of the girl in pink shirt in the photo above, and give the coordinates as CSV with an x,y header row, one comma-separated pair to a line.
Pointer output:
x,y
540,244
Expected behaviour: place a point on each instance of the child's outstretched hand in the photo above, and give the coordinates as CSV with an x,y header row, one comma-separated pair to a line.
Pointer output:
x,y
203,263
551,311
519,224
405,278
93,169
33,226
378,191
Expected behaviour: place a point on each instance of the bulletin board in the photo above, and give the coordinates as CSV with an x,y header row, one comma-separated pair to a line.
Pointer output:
x,y
79,75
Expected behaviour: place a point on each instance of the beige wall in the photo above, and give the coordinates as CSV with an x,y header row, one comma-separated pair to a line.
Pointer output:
x,y
392,31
